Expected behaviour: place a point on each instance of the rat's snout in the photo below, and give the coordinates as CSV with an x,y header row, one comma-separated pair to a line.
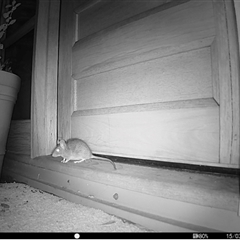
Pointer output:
x,y
53,154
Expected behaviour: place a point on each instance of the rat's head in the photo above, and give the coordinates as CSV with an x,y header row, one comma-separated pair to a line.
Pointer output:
x,y
60,150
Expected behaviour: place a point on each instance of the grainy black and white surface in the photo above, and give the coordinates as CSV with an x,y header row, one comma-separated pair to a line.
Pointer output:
x,y
26,209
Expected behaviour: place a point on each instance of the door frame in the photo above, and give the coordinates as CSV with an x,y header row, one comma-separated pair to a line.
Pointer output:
x,y
44,78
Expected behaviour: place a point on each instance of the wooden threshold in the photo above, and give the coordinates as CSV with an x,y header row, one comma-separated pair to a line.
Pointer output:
x,y
159,199
211,168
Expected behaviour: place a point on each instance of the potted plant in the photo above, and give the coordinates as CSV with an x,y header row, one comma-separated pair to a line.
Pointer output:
x,y
9,82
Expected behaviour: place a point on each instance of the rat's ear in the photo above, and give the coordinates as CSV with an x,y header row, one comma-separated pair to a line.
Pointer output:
x,y
62,143
58,141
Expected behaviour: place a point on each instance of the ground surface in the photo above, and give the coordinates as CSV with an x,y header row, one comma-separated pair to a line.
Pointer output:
x,y
26,209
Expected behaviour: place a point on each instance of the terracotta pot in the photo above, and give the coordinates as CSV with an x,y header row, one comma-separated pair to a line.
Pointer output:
x,y
9,87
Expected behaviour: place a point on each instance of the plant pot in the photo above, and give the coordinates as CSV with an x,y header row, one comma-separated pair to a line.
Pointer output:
x,y
9,87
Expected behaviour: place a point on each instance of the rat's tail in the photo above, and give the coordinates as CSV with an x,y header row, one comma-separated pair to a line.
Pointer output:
x,y
105,159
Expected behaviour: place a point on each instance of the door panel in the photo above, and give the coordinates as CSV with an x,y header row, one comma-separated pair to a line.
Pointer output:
x,y
178,29
182,76
181,134
103,14
163,56
145,79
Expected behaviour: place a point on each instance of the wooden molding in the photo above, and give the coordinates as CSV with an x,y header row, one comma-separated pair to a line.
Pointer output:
x,y
215,71
237,15
228,81
65,82
44,86
235,82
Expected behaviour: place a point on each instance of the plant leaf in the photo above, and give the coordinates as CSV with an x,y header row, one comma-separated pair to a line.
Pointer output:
x,y
2,27
5,15
12,21
8,19
1,34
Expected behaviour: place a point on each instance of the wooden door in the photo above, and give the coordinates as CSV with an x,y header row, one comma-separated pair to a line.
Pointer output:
x,y
154,80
